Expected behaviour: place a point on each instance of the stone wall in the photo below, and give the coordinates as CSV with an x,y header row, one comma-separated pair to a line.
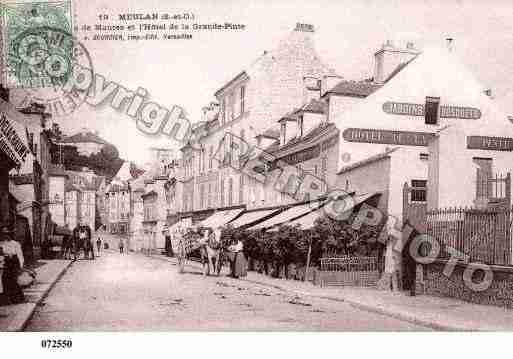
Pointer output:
x,y
500,292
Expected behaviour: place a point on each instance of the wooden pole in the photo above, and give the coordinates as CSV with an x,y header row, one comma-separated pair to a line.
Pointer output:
x,y
308,256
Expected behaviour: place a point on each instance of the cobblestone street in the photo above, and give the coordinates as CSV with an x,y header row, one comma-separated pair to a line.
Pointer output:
x,y
135,292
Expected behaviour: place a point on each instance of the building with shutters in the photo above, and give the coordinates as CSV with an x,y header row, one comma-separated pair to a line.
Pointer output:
x,y
247,105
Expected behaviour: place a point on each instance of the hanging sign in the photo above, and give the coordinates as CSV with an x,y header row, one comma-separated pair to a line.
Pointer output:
x,y
402,138
490,143
413,109
10,142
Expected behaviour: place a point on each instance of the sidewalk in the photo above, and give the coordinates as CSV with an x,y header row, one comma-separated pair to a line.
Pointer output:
x,y
437,313
13,318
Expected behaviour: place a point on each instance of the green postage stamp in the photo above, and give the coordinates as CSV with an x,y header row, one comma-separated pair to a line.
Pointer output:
x,y
36,47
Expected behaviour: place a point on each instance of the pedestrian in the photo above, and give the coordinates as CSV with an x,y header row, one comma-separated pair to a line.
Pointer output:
x,y
99,245
11,263
121,245
238,263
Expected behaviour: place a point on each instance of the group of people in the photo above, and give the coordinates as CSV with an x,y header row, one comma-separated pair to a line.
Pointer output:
x,y
214,251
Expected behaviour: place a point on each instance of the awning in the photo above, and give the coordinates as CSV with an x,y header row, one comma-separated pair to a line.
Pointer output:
x,y
308,221
289,215
220,218
249,218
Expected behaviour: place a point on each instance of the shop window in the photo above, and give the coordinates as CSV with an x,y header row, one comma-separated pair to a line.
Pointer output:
x,y
431,110
418,191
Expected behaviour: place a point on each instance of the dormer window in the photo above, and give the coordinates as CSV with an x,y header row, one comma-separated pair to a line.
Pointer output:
x,y
283,129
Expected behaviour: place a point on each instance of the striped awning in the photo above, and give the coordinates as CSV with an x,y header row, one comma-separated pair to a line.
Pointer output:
x,y
249,218
289,215
220,218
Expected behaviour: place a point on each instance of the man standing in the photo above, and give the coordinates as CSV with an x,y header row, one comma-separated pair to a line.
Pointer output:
x,y
99,245
121,245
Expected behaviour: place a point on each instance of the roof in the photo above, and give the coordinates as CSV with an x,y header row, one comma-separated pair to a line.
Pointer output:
x,y
320,128
82,137
315,106
367,161
241,75
272,133
354,88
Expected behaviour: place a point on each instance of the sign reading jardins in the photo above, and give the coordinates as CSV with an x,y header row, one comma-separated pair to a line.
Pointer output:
x,y
413,109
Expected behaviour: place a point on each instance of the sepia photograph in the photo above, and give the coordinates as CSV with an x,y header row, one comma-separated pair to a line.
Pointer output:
x,y
255,166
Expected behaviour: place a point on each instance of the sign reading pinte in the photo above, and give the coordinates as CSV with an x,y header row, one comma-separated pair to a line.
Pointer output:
x,y
404,138
490,143
414,109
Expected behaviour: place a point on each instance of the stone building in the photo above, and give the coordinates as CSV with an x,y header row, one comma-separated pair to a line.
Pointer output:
x,y
272,86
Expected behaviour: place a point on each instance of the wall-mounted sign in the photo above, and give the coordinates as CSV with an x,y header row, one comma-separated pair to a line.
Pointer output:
x,y
490,143
10,142
413,109
403,138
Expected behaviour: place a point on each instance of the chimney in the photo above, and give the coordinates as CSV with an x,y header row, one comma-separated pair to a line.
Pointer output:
x,y
304,27
390,57
328,82
449,42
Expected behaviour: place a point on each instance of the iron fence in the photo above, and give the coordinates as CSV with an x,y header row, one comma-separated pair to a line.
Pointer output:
x,y
482,235
349,270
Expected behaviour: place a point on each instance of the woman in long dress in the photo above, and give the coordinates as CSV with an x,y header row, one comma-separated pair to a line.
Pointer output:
x,y
12,254
239,263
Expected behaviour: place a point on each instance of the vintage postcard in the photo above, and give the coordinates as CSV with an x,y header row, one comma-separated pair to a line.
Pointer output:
x,y
246,166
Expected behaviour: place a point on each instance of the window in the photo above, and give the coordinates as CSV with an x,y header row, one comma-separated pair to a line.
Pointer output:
x,y
209,201
315,170
418,191
230,192
424,156
211,157
483,175
202,196
324,166
221,191
242,95
241,189
431,110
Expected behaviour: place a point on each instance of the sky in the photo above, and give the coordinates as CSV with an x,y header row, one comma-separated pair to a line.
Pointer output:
x,y
347,33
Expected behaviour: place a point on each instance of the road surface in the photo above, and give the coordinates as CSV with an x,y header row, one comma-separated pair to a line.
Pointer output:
x,y
132,292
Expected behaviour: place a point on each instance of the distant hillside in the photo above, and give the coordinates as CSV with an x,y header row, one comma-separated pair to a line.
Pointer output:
x,y
104,160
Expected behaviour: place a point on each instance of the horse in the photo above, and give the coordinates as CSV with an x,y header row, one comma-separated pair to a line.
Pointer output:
x,y
211,254
82,244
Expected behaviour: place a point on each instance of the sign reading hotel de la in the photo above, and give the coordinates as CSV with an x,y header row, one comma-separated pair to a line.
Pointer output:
x,y
413,109
404,138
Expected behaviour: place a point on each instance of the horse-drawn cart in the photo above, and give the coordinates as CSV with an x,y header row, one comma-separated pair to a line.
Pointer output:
x,y
186,245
